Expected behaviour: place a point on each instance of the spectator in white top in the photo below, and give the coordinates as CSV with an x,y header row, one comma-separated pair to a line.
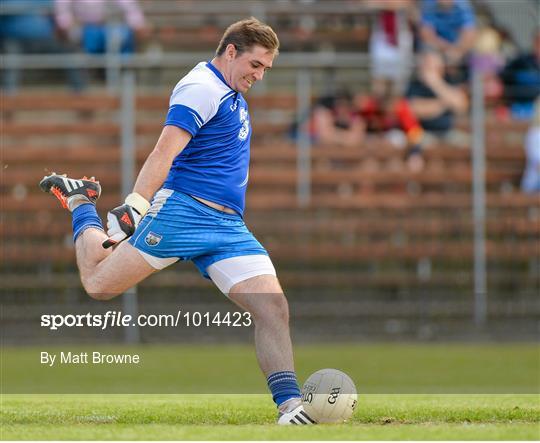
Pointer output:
x,y
390,45
530,182
85,21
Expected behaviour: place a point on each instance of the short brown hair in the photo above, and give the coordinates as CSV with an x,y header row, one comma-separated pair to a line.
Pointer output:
x,y
247,33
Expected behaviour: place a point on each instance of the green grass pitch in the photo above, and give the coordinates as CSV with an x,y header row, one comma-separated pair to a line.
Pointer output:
x,y
252,417
406,392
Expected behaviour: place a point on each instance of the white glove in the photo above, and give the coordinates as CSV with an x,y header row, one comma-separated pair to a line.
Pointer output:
x,y
123,220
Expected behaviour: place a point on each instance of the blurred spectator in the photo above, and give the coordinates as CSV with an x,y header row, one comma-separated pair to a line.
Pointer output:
x,y
390,45
334,121
85,22
29,28
449,27
433,97
530,182
393,117
489,60
521,78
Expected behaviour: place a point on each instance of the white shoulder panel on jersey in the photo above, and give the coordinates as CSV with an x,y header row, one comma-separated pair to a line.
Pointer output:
x,y
201,91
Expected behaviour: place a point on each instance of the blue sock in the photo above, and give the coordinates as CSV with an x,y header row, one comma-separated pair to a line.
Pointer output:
x,y
283,386
85,216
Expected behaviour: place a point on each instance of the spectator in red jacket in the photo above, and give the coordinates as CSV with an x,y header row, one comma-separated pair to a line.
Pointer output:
x,y
393,117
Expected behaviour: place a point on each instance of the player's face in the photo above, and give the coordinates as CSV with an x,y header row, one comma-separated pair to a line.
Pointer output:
x,y
249,67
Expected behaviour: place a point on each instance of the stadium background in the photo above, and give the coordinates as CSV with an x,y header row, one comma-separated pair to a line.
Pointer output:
x,y
366,251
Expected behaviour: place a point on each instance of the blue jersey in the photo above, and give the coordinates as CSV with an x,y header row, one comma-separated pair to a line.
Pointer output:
x,y
215,163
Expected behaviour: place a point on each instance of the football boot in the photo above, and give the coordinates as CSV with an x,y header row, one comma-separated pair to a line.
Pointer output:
x,y
292,412
71,192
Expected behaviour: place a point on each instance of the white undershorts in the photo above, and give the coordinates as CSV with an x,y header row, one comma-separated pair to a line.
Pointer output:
x,y
157,262
230,271
224,273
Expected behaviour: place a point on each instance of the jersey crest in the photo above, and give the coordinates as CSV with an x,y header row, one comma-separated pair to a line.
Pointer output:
x,y
244,119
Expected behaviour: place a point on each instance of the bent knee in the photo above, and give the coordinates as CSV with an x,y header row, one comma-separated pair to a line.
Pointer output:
x,y
98,291
273,309
102,296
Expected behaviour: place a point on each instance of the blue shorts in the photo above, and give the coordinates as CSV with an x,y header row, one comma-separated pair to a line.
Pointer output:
x,y
179,227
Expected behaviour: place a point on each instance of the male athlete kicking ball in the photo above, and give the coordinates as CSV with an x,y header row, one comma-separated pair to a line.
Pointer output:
x,y
196,179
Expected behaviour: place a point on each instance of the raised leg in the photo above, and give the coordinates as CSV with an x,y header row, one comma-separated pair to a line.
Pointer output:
x,y
105,275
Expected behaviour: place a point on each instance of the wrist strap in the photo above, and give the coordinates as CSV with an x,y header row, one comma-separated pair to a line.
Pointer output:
x,y
138,202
